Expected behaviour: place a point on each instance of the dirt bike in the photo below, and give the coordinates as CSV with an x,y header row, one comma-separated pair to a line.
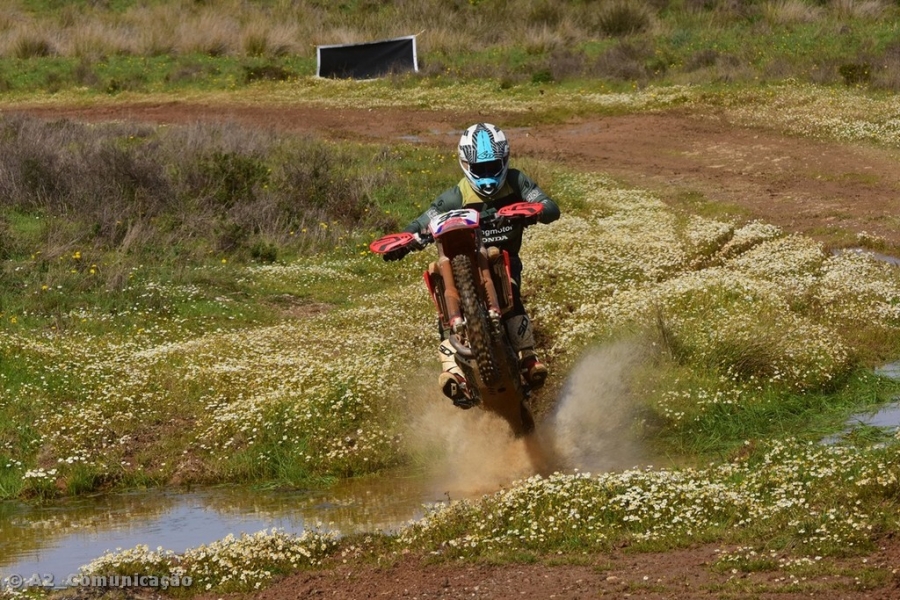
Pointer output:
x,y
472,290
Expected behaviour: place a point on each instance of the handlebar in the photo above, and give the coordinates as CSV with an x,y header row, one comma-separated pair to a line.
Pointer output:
x,y
397,245
487,219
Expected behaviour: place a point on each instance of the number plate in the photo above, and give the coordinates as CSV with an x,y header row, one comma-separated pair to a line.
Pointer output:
x,y
461,218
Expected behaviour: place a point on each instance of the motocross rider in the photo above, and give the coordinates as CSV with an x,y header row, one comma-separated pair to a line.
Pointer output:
x,y
489,184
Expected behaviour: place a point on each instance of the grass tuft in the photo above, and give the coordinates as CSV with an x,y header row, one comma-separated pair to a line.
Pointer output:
x,y
618,18
32,46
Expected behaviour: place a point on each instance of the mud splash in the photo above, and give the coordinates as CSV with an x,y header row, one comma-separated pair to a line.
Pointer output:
x,y
592,428
472,452
466,452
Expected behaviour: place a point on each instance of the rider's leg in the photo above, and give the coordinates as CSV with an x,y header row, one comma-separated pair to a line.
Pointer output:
x,y
451,380
521,333
521,336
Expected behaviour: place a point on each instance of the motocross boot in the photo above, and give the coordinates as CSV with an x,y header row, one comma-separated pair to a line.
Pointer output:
x,y
521,336
534,371
451,380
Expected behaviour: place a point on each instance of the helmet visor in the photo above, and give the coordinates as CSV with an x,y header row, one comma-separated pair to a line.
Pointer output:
x,y
491,168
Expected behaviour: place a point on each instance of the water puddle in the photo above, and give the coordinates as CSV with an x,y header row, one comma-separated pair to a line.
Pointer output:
x,y
886,418
892,260
57,538
890,370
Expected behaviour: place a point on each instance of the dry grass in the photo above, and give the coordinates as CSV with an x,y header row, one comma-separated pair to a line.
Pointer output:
x,y
626,61
462,39
858,9
31,44
175,27
545,40
262,39
621,18
791,12
887,72
235,28
117,187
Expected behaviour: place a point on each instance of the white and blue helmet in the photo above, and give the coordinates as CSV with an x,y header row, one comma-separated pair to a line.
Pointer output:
x,y
484,158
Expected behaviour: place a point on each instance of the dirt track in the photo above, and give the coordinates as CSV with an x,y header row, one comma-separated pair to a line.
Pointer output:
x,y
683,574
828,190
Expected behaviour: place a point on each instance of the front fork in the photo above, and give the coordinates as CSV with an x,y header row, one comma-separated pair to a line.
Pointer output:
x,y
445,294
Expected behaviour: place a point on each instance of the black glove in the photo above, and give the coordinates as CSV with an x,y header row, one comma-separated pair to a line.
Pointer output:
x,y
393,255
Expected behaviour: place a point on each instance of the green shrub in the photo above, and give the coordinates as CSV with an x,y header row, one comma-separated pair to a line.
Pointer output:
x,y
617,19
227,178
624,61
856,73
194,189
542,76
264,252
267,72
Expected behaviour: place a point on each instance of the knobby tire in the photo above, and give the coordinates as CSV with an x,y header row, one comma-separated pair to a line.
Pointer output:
x,y
477,330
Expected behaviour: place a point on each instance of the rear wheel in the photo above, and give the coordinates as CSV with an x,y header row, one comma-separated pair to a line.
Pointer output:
x,y
516,409
477,330
527,420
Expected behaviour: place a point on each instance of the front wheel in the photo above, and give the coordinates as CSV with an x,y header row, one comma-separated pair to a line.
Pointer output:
x,y
477,329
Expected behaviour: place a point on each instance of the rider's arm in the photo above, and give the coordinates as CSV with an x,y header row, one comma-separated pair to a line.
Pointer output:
x,y
449,200
530,192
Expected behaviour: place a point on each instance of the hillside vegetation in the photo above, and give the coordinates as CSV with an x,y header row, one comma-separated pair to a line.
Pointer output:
x,y
173,322
124,45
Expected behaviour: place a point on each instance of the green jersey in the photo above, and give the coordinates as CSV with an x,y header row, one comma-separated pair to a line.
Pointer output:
x,y
518,187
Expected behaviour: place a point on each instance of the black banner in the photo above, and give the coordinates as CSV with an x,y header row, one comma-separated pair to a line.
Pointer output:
x,y
369,60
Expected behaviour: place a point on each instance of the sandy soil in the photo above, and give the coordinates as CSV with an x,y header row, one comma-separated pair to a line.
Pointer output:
x,y
827,190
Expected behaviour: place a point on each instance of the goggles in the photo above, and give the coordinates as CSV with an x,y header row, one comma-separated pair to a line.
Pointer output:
x,y
491,168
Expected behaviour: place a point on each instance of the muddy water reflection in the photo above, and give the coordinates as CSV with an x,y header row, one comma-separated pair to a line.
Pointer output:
x,y
58,538
892,260
886,417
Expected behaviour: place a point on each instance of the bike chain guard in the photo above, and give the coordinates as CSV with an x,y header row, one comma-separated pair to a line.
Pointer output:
x,y
391,242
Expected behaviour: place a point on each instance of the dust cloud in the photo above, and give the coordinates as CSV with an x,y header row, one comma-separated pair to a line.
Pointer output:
x,y
472,452
466,453
591,428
